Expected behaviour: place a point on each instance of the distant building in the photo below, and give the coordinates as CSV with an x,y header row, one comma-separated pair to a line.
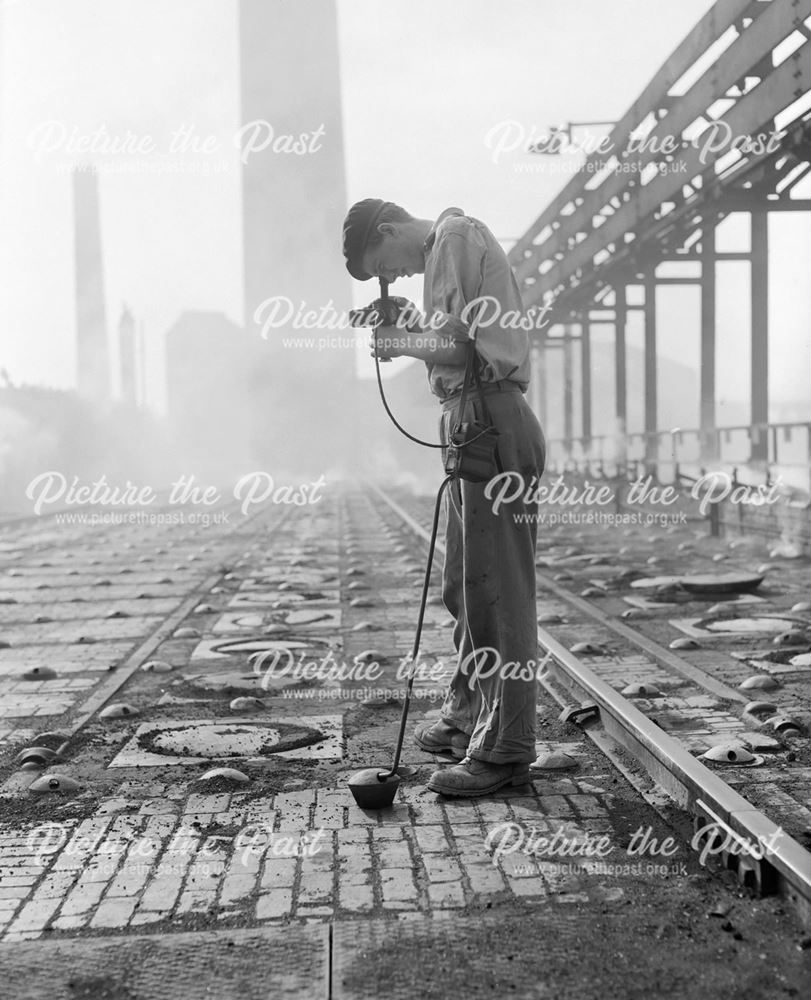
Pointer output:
x,y
92,350
208,367
44,429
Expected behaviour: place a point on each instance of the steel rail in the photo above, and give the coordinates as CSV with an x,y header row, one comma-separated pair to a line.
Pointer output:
x,y
726,823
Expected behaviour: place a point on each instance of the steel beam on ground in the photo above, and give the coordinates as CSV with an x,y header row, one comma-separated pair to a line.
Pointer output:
x,y
760,333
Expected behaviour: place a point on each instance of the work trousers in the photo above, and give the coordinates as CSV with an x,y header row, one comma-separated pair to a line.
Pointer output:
x,y
488,586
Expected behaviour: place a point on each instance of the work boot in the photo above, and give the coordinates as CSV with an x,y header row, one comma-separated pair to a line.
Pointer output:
x,y
441,737
477,777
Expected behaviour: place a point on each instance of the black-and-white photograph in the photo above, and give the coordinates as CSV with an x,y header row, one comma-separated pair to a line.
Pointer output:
x,y
405,499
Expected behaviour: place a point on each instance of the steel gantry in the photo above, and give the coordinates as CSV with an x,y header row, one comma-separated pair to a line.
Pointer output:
x,y
723,127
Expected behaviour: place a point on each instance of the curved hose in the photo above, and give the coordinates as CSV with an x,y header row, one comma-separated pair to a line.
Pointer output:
x,y
416,647
384,295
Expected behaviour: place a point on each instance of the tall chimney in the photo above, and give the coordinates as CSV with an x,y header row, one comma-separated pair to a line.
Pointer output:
x,y
294,202
126,353
93,361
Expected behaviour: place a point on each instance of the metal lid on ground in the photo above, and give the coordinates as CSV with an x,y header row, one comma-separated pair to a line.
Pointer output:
x,y
705,583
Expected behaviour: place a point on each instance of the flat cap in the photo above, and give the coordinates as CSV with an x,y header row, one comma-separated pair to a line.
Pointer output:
x,y
358,226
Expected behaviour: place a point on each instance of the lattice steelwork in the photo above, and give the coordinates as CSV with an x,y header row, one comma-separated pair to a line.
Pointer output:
x,y
744,70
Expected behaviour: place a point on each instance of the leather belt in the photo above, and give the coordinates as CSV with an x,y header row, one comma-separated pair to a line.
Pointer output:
x,y
505,385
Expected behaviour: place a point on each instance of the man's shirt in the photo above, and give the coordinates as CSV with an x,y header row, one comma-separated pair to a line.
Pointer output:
x,y
465,264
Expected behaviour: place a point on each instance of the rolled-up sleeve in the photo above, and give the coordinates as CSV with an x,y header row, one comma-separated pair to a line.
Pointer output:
x,y
458,292
455,281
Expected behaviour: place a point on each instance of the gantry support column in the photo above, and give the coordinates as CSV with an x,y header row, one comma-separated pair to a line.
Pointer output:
x,y
585,381
760,335
538,378
709,436
567,389
651,399
620,370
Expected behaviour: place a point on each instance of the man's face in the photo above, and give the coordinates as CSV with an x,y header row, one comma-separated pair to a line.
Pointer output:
x,y
396,256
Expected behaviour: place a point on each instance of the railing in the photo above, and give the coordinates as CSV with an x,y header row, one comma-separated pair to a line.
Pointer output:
x,y
783,453
770,498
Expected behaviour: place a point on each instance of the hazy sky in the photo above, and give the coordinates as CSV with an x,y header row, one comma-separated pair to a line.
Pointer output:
x,y
423,82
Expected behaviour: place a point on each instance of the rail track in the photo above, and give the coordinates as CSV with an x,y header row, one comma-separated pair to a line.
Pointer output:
x,y
665,674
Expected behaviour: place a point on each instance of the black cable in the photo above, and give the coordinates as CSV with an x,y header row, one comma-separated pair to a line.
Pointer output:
x,y
384,295
402,430
415,651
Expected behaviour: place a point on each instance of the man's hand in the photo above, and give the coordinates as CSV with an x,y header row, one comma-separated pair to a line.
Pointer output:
x,y
403,314
389,342
397,333
394,311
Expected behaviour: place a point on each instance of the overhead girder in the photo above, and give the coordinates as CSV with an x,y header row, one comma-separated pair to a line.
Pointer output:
x,y
621,206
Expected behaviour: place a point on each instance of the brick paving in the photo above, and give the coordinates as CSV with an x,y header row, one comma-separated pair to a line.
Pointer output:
x,y
154,854
127,870
585,557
